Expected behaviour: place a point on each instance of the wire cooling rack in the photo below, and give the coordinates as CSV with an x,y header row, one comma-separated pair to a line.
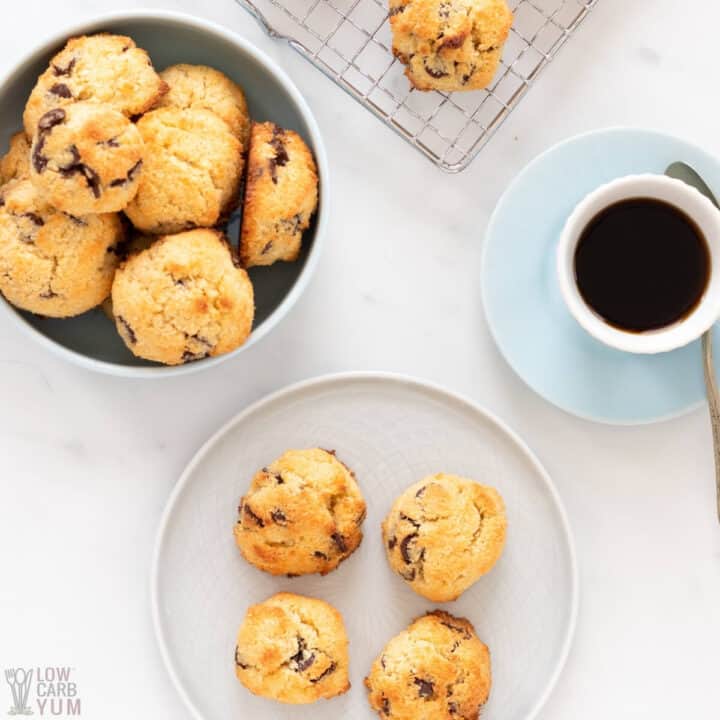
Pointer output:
x,y
350,41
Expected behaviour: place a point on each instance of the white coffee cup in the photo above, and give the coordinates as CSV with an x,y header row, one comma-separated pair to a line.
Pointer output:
x,y
659,187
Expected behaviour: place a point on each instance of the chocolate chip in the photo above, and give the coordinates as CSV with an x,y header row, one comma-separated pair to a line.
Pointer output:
x,y
444,10
34,218
425,688
320,555
452,708
453,42
421,491
329,670
278,516
339,540
281,157
291,575
61,90
189,356
128,330
92,179
437,74
112,142
51,118
289,226
412,521
392,542
408,575
132,172
80,221
397,10
404,547
456,628
303,658
267,248
382,662
64,71
48,294
385,706
258,520
238,661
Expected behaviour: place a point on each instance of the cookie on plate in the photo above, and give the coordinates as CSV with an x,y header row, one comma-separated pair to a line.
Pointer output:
x,y
15,164
281,195
302,514
437,668
443,533
52,263
293,649
86,158
108,69
183,299
191,173
199,86
450,45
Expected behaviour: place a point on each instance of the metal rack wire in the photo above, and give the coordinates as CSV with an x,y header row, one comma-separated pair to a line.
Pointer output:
x,y
350,41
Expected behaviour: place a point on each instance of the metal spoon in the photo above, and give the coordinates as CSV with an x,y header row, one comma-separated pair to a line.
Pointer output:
x,y
682,171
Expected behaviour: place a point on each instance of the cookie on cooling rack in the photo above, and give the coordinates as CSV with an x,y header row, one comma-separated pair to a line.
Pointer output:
x,y
86,158
183,299
450,45
293,649
443,533
303,514
281,195
52,263
199,86
108,69
437,668
192,167
15,164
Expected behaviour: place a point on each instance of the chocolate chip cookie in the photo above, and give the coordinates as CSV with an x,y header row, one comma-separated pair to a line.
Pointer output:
x,y
191,173
436,669
86,158
107,69
443,533
52,263
15,164
293,649
280,196
302,514
183,299
199,86
450,45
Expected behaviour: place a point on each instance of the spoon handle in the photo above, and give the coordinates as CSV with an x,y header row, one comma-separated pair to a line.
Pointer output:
x,y
713,404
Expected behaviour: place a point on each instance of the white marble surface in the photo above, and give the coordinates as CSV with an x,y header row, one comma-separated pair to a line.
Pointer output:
x,y
87,461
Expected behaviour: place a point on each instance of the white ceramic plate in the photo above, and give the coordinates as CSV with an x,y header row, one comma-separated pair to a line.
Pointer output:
x,y
392,431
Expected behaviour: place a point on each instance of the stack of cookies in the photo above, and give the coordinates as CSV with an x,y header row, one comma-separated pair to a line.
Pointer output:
x,y
120,187
303,514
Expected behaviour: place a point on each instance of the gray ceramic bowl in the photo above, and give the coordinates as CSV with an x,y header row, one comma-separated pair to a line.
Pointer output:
x,y
90,340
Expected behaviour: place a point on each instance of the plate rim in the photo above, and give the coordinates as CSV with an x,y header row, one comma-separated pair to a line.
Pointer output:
x,y
490,230
343,378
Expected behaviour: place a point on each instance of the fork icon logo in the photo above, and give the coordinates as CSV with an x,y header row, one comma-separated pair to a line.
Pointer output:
x,y
19,681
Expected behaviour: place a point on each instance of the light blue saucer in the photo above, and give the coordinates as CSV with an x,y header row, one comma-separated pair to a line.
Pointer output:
x,y
526,314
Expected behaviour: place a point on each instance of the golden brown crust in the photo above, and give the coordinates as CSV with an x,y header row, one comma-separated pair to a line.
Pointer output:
x,y
86,158
302,514
293,649
281,195
450,45
199,86
191,171
437,668
52,263
15,164
443,533
183,299
102,68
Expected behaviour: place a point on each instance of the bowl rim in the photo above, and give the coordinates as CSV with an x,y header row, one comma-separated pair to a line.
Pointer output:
x,y
95,23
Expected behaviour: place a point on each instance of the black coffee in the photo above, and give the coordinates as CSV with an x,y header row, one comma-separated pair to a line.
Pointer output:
x,y
642,264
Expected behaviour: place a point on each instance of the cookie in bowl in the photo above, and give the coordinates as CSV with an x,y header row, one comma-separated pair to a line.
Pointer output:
x,y
437,668
52,263
302,514
450,45
86,158
443,533
183,299
191,172
293,649
199,86
102,68
15,164
281,195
